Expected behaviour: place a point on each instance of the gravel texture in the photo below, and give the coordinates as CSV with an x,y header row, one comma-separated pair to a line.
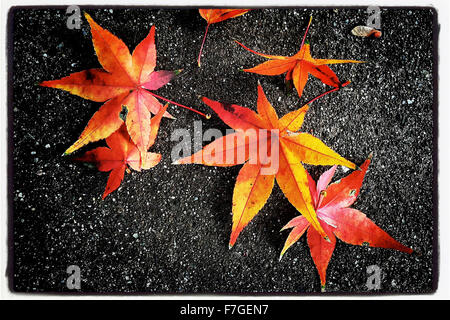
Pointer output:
x,y
166,230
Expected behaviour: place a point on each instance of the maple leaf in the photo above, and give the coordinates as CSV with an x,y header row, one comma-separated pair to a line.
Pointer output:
x,y
122,152
331,203
125,80
254,183
217,15
298,66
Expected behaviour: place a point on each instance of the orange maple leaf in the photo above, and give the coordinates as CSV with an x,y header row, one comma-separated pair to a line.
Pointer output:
x,y
122,152
298,66
217,15
331,203
125,81
255,180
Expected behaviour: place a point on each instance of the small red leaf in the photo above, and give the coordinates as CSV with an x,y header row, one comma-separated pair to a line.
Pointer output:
x,y
299,66
347,224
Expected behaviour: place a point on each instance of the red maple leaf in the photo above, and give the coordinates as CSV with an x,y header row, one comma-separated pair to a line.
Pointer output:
x,y
254,184
122,152
331,203
126,80
214,16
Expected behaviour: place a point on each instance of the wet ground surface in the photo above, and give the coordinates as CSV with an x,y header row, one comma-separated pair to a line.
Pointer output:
x,y
166,230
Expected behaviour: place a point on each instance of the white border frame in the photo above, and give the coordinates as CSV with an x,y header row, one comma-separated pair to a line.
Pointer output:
x,y
443,59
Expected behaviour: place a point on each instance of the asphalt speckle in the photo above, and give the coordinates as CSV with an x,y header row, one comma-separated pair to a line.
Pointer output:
x,y
166,230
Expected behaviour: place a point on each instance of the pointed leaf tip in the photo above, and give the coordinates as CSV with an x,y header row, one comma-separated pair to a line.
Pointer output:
x,y
87,16
370,156
322,289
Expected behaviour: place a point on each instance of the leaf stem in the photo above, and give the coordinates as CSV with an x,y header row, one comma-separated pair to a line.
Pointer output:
x,y
177,104
329,91
203,42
